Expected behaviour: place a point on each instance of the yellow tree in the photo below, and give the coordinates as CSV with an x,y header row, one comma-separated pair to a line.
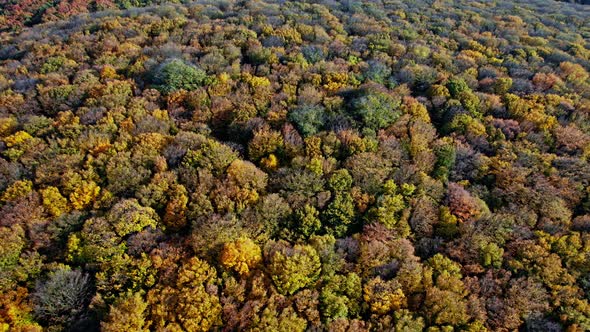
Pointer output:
x,y
241,255
188,303
127,314
54,202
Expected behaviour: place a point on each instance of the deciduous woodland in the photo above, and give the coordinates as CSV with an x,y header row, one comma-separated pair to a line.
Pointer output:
x,y
272,165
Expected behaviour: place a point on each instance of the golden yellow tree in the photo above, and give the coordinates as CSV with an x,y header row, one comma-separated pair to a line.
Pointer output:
x,y
241,255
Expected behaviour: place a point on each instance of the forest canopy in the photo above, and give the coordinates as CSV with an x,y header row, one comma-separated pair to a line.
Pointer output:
x,y
294,165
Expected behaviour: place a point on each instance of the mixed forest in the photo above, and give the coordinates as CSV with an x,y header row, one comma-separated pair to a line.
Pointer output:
x,y
289,166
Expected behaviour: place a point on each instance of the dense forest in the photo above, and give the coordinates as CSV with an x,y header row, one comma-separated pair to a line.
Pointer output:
x,y
294,166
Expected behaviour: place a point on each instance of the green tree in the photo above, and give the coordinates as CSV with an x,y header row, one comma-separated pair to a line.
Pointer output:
x,y
176,74
457,86
128,216
13,243
377,110
211,155
293,268
309,119
445,160
389,207
445,302
341,297
306,221
339,214
340,181
491,254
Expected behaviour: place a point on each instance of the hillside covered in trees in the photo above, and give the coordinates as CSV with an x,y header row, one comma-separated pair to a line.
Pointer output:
x,y
294,166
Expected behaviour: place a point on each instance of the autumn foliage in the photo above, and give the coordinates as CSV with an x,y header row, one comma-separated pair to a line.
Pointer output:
x,y
294,165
